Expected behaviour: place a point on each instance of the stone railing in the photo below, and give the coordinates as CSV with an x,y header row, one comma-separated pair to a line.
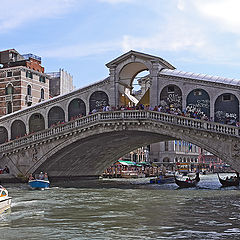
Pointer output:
x,y
121,116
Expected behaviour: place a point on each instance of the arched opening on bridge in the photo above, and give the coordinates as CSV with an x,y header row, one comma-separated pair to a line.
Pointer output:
x,y
76,108
3,135
171,98
134,84
198,101
56,115
98,100
226,109
18,129
36,123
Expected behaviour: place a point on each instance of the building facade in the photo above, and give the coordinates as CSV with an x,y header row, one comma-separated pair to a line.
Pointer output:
x,y
22,81
60,83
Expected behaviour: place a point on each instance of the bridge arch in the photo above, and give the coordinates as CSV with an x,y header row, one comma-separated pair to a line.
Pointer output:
x,y
76,108
198,100
171,97
83,152
3,135
36,123
18,129
55,115
98,100
226,109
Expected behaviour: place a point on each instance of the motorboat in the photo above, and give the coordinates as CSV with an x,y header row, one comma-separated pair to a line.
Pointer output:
x,y
5,200
39,182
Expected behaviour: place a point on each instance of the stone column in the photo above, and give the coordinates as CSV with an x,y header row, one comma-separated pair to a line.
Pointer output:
x,y
114,98
154,89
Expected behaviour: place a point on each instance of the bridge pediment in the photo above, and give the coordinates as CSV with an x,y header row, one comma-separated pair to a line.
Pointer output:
x,y
133,55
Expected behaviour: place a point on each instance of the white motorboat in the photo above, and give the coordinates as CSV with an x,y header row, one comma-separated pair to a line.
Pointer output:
x,y
5,200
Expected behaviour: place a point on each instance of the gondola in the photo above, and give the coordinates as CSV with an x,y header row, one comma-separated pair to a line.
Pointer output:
x,y
229,182
188,184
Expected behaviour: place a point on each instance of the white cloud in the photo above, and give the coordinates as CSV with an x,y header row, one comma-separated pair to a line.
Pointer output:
x,y
225,13
15,13
177,36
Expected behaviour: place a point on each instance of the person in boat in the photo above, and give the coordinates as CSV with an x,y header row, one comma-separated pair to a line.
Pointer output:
x,y
31,177
45,176
41,176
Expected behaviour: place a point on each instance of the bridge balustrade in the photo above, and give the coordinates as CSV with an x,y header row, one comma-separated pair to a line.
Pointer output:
x,y
121,115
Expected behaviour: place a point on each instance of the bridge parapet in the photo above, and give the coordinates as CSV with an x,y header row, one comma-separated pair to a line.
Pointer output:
x,y
75,125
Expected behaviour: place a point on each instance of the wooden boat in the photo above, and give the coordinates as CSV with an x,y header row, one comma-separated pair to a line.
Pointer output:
x,y
5,200
187,184
229,182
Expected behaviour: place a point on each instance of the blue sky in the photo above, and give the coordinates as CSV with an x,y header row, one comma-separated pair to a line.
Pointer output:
x,y
81,36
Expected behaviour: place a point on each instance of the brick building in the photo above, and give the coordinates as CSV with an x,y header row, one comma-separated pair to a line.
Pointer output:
x,y
22,81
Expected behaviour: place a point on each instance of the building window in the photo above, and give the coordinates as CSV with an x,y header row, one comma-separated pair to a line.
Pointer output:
x,y
9,90
9,107
42,79
29,74
9,74
29,90
42,93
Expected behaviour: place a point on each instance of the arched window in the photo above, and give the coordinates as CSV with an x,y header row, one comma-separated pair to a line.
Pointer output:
x,y
18,129
76,108
3,135
171,98
9,107
98,100
226,109
56,115
42,93
36,123
29,90
198,101
9,89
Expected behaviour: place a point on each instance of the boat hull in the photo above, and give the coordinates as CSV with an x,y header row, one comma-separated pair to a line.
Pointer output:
x,y
39,184
5,204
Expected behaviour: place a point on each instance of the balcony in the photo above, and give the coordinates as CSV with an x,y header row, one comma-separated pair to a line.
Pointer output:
x,y
29,99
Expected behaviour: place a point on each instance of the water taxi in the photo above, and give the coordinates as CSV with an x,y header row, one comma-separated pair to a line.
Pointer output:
x,y
39,182
5,200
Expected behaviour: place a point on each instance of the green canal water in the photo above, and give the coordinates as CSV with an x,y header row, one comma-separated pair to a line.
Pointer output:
x,y
123,209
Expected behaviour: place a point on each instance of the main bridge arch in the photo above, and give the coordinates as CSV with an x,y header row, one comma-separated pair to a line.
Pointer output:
x,y
87,146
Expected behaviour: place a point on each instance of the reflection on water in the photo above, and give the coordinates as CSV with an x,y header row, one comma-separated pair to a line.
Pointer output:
x,y
123,209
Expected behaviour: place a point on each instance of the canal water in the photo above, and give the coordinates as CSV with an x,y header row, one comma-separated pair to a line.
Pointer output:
x,y
123,209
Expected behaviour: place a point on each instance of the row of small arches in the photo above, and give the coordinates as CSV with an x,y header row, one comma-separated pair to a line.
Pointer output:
x,y
56,115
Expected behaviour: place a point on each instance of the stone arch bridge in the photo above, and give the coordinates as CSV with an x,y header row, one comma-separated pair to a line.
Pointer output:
x,y
60,137
86,146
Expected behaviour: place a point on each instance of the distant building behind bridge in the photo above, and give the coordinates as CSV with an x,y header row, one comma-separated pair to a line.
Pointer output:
x,y
23,81
61,83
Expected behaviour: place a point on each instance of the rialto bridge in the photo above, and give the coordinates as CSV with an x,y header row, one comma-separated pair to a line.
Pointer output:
x,y
61,137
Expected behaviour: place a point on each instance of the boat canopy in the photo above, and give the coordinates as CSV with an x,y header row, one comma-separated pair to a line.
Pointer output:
x,y
127,163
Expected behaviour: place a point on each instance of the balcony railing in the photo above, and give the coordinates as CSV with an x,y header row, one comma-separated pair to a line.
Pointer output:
x,y
119,116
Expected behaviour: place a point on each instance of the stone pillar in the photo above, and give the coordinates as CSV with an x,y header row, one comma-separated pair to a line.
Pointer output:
x,y
154,89
114,96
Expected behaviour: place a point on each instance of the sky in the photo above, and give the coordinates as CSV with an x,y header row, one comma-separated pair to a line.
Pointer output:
x,y
81,36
